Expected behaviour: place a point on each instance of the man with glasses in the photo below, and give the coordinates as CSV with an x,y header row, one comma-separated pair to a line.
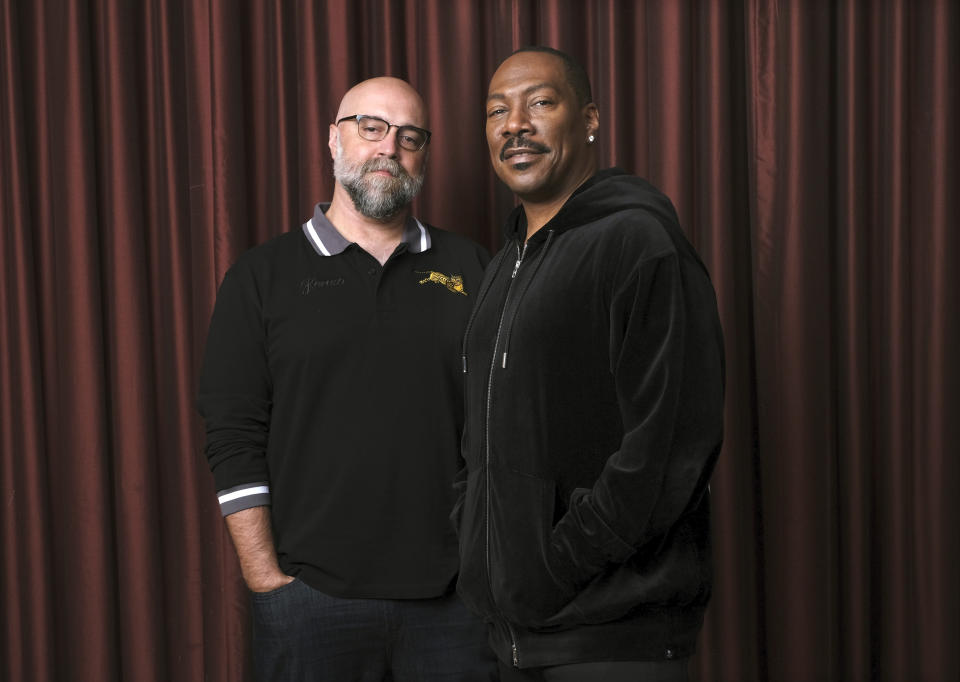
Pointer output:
x,y
331,389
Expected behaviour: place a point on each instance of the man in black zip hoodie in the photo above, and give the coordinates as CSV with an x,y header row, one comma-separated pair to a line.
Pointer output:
x,y
594,404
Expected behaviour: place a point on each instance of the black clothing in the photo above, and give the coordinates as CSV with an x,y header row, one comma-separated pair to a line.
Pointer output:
x,y
675,670
300,634
332,390
594,399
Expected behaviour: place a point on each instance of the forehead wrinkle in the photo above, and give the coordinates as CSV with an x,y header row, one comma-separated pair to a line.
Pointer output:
x,y
526,91
388,113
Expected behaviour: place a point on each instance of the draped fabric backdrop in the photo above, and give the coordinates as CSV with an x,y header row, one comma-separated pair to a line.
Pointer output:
x,y
811,148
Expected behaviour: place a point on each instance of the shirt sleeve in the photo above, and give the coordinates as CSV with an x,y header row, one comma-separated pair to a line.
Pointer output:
x,y
235,394
667,359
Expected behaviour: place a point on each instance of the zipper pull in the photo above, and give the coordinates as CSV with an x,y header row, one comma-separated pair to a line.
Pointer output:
x,y
516,266
516,656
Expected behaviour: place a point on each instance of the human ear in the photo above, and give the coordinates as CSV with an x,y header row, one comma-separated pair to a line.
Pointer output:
x,y
591,119
332,142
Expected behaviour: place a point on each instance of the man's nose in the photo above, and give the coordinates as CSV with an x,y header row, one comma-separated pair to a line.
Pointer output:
x,y
517,123
388,145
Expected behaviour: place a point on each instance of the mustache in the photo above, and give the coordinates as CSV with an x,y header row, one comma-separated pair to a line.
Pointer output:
x,y
384,164
522,142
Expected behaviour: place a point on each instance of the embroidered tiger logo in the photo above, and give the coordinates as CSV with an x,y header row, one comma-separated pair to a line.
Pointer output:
x,y
453,283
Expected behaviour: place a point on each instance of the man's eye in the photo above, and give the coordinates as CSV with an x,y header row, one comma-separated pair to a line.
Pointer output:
x,y
542,103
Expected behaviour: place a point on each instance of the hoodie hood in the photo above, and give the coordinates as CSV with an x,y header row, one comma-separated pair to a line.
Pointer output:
x,y
607,191
604,194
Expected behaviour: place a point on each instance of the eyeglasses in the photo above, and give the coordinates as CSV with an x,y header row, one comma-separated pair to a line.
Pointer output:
x,y
375,129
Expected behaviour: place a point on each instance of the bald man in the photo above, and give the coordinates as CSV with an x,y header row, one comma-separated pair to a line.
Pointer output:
x,y
332,394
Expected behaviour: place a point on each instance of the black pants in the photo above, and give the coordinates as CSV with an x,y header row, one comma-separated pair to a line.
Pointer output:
x,y
303,635
601,671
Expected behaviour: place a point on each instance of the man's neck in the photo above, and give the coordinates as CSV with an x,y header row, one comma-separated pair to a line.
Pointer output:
x,y
379,238
540,212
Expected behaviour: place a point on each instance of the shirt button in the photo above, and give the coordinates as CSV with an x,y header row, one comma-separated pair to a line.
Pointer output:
x,y
372,271
669,653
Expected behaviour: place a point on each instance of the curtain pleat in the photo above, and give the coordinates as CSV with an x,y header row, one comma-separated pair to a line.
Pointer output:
x,y
811,150
26,618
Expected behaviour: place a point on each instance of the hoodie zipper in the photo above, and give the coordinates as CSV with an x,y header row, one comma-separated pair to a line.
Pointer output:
x,y
513,276
493,366
516,266
513,647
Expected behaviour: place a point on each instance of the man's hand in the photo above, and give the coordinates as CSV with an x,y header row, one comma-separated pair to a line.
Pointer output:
x,y
273,583
253,540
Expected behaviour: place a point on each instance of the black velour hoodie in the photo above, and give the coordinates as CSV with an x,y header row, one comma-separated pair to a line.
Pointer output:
x,y
594,416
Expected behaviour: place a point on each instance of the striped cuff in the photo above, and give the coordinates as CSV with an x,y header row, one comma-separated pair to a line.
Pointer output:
x,y
242,497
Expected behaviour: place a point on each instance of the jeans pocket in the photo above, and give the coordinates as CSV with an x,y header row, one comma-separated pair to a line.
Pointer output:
x,y
275,593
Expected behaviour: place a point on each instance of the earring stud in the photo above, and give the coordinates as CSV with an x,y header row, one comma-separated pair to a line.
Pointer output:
x,y
590,139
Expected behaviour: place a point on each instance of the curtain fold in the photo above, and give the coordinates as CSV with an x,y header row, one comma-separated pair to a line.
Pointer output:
x,y
810,148
791,193
26,619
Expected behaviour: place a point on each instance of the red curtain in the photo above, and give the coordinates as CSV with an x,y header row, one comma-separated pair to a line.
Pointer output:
x,y
811,148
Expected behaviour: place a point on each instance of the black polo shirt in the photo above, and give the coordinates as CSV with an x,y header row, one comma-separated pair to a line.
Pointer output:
x,y
332,390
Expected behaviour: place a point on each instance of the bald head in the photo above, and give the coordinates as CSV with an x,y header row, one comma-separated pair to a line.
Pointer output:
x,y
391,99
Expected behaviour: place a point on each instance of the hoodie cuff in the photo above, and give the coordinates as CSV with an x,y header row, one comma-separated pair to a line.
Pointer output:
x,y
244,496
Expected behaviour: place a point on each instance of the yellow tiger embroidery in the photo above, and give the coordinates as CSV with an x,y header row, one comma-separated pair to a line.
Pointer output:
x,y
453,283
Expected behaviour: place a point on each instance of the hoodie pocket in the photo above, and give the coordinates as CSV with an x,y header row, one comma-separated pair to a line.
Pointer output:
x,y
669,574
526,587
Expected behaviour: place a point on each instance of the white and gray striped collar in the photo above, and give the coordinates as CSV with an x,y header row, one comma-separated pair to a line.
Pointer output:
x,y
326,240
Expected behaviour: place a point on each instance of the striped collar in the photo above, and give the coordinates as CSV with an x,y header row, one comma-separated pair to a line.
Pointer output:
x,y
327,241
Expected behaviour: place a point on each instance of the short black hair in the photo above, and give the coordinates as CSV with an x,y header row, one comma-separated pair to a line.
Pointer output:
x,y
576,75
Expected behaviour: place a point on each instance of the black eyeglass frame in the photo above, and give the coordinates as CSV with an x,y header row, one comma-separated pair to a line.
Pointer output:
x,y
356,117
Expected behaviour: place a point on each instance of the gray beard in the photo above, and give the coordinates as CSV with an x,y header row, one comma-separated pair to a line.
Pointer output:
x,y
376,197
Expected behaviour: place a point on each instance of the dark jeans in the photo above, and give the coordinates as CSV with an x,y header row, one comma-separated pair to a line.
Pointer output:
x,y
302,635
601,671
